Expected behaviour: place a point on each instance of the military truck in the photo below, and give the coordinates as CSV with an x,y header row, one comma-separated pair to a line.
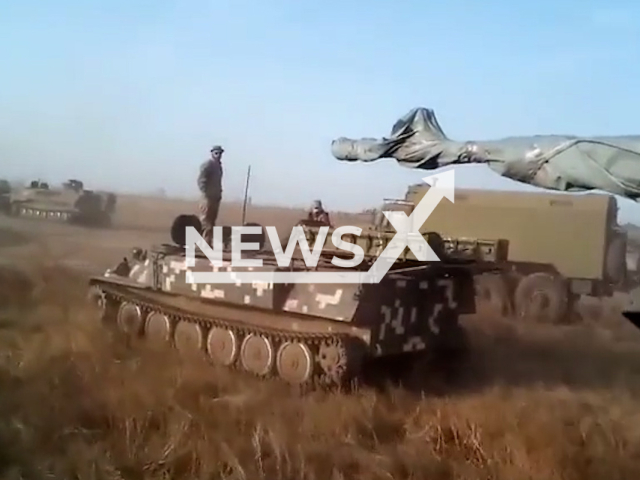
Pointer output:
x,y
559,246
307,334
70,203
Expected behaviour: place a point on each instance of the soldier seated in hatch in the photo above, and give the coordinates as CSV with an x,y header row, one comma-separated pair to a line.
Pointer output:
x,y
319,214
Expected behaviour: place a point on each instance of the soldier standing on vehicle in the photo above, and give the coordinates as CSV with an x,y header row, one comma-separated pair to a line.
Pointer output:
x,y
210,186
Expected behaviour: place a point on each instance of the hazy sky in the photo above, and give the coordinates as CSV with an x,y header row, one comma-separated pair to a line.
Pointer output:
x,y
131,94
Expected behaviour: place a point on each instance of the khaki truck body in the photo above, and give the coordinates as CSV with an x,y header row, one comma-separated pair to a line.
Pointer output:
x,y
559,246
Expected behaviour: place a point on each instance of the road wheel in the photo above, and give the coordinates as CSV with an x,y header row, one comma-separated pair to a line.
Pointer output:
x,y
542,297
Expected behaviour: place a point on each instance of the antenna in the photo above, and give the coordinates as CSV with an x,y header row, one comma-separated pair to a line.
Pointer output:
x,y
246,193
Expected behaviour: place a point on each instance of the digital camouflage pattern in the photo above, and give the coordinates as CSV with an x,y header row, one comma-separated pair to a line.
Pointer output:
x,y
303,333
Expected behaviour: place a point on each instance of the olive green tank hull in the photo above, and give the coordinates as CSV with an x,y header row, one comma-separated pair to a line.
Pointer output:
x,y
58,214
70,203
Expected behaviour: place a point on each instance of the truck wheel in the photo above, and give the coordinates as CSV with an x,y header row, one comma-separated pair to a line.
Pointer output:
x,y
542,297
492,291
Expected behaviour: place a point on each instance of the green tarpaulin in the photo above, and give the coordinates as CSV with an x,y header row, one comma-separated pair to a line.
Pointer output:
x,y
555,162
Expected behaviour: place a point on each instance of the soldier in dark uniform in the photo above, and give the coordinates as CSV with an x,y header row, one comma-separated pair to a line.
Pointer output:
x,y
319,214
210,186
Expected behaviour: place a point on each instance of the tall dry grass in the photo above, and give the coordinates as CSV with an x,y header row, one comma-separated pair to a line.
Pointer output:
x,y
543,404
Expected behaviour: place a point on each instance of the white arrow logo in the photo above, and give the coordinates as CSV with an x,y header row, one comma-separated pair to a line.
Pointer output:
x,y
408,228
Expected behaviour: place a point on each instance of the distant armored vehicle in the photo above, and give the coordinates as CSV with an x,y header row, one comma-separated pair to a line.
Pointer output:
x,y
69,203
5,196
303,333
559,246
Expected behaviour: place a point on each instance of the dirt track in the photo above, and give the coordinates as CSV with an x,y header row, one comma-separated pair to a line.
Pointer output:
x,y
140,221
84,248
535,402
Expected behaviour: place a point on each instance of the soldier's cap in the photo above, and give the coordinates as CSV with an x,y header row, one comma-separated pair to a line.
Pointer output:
x,y
317,204
217,148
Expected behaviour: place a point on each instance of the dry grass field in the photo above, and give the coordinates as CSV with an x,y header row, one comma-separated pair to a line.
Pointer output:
x,y
533,403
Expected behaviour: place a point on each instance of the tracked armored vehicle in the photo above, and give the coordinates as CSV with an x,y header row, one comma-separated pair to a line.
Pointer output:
x,y
5,196
307,334
70,203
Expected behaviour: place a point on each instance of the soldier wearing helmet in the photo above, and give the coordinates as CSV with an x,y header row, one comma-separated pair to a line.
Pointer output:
x,y
210,186
317,213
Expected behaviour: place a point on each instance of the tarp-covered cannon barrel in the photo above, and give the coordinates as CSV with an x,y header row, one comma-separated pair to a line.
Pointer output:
x,y
555,162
